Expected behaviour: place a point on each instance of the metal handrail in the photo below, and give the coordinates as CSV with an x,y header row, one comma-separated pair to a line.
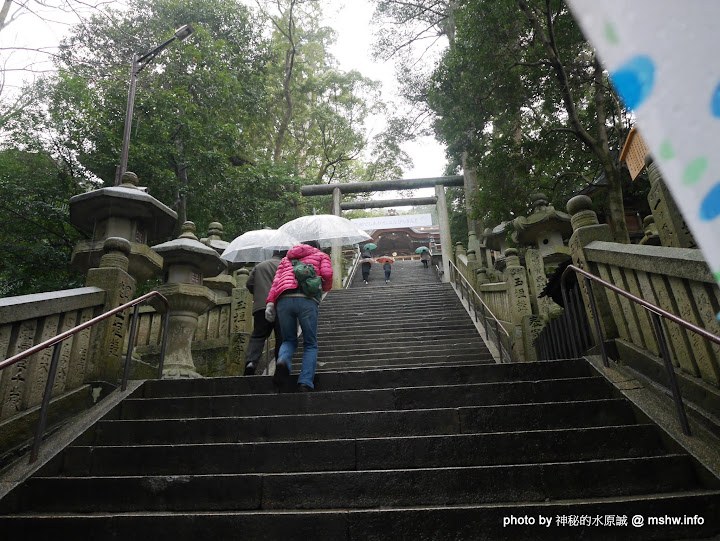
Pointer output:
x,y
351,276
57,342
656,312
454,271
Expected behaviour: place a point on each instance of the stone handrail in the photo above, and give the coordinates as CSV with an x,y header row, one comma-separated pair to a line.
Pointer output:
x,y
28,320
212,325
461,263
675,279
353,265
495,295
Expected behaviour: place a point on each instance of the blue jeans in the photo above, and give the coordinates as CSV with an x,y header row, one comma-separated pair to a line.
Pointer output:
x,y
290,311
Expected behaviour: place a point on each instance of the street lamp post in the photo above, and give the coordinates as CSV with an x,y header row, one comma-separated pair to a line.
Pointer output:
x,y
138,64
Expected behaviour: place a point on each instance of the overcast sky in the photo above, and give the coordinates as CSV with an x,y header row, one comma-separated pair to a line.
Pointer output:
x,y
350,18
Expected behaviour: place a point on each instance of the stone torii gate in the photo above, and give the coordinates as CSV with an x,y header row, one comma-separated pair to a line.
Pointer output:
x,y
439,183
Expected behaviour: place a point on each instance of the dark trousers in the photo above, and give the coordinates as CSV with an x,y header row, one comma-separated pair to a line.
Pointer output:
x,y
425,263
262,329
387,275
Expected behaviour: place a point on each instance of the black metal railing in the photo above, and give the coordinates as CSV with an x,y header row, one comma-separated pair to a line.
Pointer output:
x,y
567,336
57,342
490,323
656,313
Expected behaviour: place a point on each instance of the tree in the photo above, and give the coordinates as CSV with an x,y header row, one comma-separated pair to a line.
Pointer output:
x,y
198,107
522,92
36,238
519,97
316,112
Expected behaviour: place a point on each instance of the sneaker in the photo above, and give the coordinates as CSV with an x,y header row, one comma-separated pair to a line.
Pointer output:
x,y
282,374
366,281
249,369
302,388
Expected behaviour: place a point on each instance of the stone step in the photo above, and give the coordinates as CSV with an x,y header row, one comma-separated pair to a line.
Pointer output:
x,y
477,394
325,365
377,281
399,346
370,424
406,299
457,342
356,489
394,453
392,337
374,379
375,300
419,353
389,318
425,351
480,522
407,302
369,330
396,285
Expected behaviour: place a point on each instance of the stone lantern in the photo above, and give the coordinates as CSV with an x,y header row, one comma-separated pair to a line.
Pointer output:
x,y
543,232
215,238
545,229
222,284
496,241
186,261
123,211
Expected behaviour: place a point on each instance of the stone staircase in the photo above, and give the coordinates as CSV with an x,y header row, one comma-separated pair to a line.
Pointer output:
x,y
414,433
414,320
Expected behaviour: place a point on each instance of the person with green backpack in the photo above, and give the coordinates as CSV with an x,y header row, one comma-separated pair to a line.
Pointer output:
x,y
303,275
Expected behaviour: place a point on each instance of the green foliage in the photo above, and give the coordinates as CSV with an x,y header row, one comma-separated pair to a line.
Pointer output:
x,y
518,96
36,239
456,214
362,213
213,135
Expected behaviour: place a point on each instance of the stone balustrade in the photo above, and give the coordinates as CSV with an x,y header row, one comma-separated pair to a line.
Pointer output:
x,y
678,280
28,320
496,297
675,279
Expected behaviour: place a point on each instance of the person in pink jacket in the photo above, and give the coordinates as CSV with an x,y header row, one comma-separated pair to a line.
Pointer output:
x,y
294,306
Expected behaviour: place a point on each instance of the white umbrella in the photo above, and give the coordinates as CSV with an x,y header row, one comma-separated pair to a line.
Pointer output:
x,y
326,229
258,245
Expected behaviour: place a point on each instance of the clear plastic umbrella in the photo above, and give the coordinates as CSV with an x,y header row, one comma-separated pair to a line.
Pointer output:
x,y
326,229
258,245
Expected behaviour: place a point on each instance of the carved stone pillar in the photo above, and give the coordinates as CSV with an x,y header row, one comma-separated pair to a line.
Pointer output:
x,y
472,267
106,349
473,243
586,230
241,319
669,221
518,291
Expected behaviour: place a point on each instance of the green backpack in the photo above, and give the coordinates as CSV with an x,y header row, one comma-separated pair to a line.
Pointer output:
x,y
308,280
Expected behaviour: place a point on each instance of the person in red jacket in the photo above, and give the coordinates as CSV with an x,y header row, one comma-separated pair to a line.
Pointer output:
x,y
294,307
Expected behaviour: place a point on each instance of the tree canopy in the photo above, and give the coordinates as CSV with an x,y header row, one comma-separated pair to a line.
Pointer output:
x,y
227,124
519,98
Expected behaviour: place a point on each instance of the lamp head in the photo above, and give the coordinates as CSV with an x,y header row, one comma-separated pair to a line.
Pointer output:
x,y
184,31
